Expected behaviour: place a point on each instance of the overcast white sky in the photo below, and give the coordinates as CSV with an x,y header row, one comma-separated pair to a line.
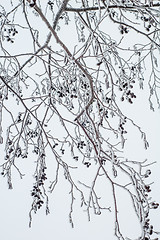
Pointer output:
x,y
15,204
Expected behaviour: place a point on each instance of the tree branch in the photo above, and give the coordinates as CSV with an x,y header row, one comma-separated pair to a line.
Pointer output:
x,y
133,7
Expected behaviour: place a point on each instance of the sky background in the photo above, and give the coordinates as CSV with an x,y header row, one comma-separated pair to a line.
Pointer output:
x,y
15,204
